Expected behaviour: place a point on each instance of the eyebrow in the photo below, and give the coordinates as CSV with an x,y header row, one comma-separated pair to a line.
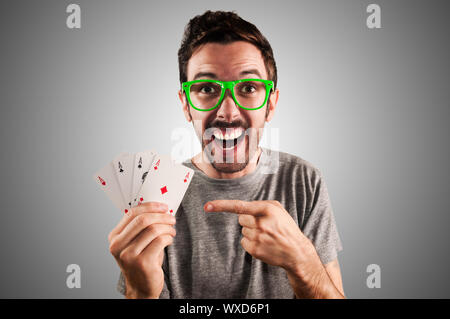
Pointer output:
x,y
214,76
205,75
252,71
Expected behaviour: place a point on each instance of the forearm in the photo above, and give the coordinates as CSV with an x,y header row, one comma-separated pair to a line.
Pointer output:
x,y
133,294
310,280
318,286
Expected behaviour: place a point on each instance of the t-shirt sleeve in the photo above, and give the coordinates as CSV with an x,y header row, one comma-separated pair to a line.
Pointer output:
x,y
121,287
319,224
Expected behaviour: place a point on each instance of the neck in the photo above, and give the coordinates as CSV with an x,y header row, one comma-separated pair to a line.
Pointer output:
x,y
202,163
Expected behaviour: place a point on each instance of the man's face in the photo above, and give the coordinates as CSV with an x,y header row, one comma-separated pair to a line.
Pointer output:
x,y
228,62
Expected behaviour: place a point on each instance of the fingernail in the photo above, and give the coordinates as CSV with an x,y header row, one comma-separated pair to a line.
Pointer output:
x,y
209,207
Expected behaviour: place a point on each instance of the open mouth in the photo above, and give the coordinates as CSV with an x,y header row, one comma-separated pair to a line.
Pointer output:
x,y
228,139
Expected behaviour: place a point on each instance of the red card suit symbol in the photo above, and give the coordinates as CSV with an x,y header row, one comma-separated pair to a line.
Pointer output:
x,y
126,211
164,190
186,177
157,164
141,199
102,181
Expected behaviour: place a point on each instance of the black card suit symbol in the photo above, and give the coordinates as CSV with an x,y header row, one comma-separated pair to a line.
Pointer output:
x,y
143,177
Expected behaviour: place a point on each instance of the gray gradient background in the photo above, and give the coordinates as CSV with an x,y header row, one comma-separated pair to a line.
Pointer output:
x,y
369,108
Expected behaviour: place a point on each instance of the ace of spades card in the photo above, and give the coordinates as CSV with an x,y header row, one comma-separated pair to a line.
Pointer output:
x,y
123,165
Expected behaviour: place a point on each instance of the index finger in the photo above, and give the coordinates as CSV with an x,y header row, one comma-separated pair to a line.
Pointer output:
x,y
154,207
254,208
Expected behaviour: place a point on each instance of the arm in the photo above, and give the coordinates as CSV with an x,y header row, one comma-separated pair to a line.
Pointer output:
x,y
271,235
320,228
137,243
317,280
334,272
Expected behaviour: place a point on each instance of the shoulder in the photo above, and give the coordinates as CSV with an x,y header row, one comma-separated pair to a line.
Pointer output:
x,y
294,165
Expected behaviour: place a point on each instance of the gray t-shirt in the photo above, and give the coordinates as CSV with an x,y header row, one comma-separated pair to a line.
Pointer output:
x,y
206,259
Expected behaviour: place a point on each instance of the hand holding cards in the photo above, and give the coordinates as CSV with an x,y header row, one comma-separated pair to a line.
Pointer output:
x,y
132,179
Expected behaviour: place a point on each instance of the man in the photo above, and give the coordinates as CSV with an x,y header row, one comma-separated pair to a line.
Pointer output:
x,y
241,232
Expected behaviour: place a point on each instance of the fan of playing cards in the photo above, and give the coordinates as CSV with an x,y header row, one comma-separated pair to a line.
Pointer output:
x,y
132,179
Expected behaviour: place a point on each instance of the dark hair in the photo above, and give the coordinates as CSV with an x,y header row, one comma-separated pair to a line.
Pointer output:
x,y
223,27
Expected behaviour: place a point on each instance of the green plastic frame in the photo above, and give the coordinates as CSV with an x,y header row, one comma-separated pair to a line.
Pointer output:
x,y
227,85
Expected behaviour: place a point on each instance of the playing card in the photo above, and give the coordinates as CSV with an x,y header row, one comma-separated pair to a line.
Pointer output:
x,y
142,162
166,182
123,165
107,180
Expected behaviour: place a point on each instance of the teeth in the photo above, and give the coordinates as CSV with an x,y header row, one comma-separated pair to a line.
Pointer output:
x,y
236,133
218,135
228,136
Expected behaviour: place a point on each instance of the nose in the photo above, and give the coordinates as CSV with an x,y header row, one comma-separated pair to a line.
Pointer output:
x,y
228,110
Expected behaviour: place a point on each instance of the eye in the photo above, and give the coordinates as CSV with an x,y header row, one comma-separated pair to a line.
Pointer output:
x,y
248,88
207,89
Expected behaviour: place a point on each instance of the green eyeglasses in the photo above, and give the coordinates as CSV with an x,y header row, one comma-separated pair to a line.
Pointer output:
x,y
206,95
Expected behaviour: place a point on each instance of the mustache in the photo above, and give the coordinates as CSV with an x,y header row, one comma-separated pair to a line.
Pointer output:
x,y
222,124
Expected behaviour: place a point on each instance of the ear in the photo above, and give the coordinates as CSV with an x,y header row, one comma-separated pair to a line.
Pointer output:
x,y
273,100
185,105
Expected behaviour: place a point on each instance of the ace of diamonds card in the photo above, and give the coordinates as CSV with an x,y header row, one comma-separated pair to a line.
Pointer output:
x,y
166,182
